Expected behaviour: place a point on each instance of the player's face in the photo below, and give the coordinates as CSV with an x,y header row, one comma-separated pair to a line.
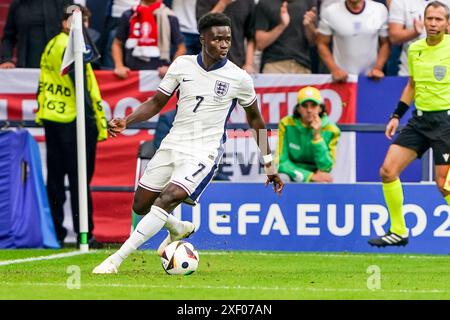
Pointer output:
x,y
217,42
436,21
309,110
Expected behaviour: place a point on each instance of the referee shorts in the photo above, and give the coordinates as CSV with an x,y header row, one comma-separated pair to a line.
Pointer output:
x,y
428,130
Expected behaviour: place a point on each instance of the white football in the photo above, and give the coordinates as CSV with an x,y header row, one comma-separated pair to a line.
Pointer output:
x,y
180,257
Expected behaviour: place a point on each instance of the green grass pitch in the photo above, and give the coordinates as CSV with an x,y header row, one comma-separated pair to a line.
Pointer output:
x,y
227,275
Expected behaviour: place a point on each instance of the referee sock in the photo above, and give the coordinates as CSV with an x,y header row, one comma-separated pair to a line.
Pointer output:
x,y
149,225
393,195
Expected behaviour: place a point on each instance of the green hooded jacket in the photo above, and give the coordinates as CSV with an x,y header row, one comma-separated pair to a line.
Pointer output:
x,y
298,155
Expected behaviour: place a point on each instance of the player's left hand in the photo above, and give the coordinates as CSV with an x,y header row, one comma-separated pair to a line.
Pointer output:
x,y
274,178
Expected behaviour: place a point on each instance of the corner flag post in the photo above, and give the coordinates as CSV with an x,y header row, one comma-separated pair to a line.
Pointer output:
x,y
79,48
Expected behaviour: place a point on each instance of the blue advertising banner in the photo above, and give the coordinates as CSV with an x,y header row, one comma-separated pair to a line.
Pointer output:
x,y
376,100
25,218
313,217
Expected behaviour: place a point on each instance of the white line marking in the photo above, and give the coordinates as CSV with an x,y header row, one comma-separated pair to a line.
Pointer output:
x,y
201,287
40,258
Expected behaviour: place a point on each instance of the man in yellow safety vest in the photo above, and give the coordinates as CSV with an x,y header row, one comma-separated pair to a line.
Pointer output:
x,y
57,113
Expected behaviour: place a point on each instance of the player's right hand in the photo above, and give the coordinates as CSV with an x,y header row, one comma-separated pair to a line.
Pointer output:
x,y
391,128
274,178
116,126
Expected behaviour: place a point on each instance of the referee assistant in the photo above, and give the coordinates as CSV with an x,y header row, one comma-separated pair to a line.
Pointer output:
x,y
429,86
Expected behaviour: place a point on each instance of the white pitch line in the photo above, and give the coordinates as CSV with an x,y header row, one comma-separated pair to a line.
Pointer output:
x,y
201,287
326,255
40,258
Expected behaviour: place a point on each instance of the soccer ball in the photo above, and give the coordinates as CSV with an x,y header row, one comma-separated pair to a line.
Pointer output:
x,y
180,257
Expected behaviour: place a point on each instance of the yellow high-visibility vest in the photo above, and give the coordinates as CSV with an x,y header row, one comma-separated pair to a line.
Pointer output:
x,y
56,94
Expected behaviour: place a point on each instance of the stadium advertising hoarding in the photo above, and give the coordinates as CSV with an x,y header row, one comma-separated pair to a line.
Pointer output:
x,y
314,217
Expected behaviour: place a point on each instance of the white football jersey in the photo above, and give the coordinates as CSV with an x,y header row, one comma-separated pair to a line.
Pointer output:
x,y
205,102
355,36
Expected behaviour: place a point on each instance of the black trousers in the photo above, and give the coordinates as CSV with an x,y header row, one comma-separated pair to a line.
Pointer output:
x,y
61,142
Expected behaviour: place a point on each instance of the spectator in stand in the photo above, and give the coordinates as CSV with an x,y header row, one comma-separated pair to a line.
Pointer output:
x,y
185,12
359,32
115,9
406,25
392,65
29,27
144,38
285,31
242,15
307,141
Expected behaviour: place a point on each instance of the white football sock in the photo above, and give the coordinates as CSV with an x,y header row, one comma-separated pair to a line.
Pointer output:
x,y
149,225
174,225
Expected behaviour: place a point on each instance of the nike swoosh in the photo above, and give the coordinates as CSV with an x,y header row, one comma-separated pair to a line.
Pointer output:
x,y
189,179
186,80
140,232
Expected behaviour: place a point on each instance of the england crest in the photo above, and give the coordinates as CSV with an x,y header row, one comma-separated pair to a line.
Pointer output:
x,y
439,72
221,88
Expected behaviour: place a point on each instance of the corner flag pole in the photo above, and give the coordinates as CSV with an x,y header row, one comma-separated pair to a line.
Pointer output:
x,y
79,48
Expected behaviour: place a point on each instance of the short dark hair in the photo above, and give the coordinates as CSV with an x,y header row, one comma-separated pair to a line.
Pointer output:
x,y
437,4
210,20
85,12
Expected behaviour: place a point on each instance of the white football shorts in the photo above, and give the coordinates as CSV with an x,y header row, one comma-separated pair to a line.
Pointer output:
x,y
187,171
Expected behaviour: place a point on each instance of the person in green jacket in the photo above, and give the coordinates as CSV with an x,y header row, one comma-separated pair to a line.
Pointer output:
x,y
307,140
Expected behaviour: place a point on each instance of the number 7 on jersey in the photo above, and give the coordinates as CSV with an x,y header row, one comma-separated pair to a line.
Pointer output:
x,y
199,101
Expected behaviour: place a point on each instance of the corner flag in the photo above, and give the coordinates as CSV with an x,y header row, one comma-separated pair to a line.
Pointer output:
x,y
74,53
69,53
88,47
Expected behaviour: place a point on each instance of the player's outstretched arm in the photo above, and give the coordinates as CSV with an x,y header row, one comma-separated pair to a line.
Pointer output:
x,y
256,122
145,111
